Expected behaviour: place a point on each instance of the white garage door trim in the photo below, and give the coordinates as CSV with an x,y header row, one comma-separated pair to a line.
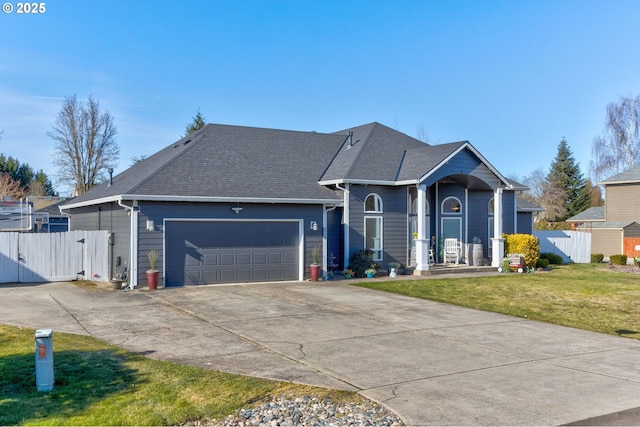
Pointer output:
x,y
300,223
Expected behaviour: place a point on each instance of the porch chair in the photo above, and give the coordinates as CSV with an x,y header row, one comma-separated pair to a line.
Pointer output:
x,y
451,250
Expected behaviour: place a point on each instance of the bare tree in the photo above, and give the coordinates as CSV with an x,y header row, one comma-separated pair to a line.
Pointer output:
x,y
536,183
618,148
422,134
10,187
86,144
553,201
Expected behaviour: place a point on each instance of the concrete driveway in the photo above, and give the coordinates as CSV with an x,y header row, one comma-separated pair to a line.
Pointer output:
x,y
431,363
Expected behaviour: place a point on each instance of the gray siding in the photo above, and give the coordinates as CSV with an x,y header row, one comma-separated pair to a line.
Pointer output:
x,y
508,212
525,223
394,222
158,211
465,163
109,217
478,220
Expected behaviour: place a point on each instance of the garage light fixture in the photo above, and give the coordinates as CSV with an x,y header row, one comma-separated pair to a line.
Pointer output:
x,y
313,226
150,225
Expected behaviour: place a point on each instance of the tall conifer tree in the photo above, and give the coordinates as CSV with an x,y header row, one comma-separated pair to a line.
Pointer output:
x,y
565,173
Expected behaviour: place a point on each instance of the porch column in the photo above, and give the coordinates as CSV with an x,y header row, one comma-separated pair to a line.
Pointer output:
x,y
497,250
423,241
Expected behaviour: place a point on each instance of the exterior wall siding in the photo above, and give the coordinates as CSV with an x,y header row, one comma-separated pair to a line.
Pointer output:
x,y
158,212
465,163
623,202
115,220
607,242
394,222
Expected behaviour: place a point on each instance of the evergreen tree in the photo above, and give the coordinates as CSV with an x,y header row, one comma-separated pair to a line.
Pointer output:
x,y
565,174
199,121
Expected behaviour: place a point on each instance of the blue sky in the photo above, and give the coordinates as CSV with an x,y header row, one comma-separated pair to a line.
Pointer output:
x,y
512,77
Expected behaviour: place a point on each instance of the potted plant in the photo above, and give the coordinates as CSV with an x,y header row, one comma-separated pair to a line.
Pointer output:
x,y
637,260
370,272
347,273
314,268
152,274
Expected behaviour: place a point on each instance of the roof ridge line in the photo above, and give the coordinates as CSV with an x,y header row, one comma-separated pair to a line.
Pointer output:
x,y
182,141
357,157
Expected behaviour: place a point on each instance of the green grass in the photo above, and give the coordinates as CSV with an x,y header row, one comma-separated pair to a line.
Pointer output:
x,y
584,296
99,384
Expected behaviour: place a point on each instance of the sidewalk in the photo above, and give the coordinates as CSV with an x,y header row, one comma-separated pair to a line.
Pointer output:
x,y
432,363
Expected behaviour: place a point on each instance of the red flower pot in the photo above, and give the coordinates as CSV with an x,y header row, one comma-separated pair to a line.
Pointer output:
x,y
152,279
315,272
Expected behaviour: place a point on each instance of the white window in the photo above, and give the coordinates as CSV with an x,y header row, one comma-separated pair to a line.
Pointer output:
x,y
373,236
373,203
373,226
451,205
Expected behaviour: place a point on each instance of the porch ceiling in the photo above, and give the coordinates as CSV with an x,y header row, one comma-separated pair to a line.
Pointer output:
x,y
468,181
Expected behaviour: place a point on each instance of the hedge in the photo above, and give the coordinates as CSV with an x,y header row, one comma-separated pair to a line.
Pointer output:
x,y
553,259
618,259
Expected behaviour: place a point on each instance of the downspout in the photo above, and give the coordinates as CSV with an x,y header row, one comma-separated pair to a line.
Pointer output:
x,y
133,242
345,220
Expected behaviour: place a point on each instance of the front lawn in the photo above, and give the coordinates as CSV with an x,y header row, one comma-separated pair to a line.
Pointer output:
x,y
99,384
584,296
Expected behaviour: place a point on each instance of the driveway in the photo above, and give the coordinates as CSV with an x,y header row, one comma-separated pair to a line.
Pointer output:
x,y
431,363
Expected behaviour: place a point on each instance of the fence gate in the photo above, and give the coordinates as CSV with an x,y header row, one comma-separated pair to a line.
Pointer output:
x,y
47,257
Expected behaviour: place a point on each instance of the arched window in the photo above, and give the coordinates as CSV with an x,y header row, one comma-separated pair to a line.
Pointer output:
x,y
451,205
373,203
491,207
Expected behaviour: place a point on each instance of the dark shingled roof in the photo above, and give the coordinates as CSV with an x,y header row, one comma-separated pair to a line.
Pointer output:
x,y
238,162
231,161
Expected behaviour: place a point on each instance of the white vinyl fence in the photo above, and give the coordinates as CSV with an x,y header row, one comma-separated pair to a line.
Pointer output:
x,y
49,257
573,246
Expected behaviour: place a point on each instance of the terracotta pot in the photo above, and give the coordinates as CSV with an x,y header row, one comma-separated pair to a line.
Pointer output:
x,y
315,272
116,284
152,279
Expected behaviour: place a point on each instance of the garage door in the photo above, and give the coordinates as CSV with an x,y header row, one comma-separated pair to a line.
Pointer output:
x,y
203,252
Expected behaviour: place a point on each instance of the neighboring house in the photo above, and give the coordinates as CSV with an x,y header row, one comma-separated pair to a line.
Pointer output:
x,y
47,215
615,226
240,204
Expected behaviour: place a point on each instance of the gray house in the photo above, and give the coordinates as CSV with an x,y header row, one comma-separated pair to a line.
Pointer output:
x,y
240,204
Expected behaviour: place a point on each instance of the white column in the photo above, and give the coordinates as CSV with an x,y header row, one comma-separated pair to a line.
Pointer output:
x,y
497,251
423,241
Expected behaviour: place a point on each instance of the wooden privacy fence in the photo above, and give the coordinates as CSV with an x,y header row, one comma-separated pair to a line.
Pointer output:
x,y
573,246
50,257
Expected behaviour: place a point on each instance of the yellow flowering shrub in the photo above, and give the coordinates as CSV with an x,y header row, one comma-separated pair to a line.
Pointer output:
x,y
525,244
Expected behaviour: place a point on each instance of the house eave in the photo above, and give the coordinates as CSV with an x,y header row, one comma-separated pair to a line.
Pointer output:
x,y
368,182
202,199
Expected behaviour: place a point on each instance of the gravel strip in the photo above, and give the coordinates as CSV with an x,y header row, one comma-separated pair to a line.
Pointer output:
x,y
310,411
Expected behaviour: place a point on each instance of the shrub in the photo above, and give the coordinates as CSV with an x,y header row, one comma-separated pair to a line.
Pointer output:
x,y
554,259
525,244
596,258
361,261
618,259
542,263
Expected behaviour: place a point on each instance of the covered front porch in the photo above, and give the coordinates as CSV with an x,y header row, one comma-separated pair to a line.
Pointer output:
x,y
458,219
